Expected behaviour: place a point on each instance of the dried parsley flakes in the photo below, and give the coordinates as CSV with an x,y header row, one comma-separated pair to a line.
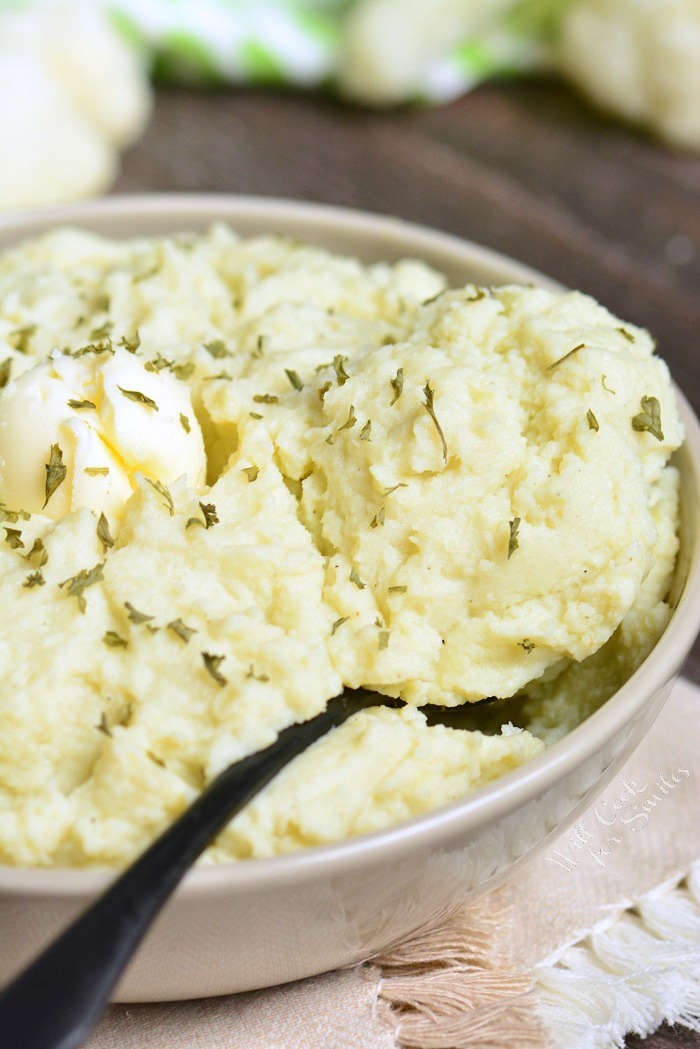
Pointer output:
x,y
55,472
397,385
183,631
212,662
13,538
354,578
581,346
428,404
135,616
113,640
5,372
139,398
649,419
339,368
164,492
78,584
513,542
217,349
103,532
294,379
34,579
350,421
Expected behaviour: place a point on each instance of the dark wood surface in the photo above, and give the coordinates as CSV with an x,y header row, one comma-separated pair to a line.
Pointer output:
x,y
524,168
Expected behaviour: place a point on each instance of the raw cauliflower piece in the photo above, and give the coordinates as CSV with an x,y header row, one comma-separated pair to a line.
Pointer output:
x,y
639,59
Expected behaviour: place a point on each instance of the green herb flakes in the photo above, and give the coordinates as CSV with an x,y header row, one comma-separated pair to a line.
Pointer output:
x,y
354,578
350,421
139,398
649,419
593,423
96,471
401,484
135,616
5,372
212,663
33,579
428,404
378,518
627,334
183,631
339,368
251,675
38,554
55,472
366,431
164,493
513,542
19,338
338,623
155,759
78,584
103,332
13,516
112,639
130,345
103,532
294,379
383,639
397,589
606,387
527,645
265,398
158,364
103,726
79,405
397,385
581,346
251,472
13,538
217,349
323,390
259,347
255,415
183,371
185,423
210,515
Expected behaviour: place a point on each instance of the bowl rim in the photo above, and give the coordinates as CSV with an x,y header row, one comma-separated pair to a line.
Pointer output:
x,y
490,802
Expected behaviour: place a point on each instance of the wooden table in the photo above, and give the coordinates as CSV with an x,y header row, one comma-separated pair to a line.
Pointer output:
x,y
524,168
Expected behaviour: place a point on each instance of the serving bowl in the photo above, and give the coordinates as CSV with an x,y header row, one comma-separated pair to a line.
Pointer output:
x,y
240,926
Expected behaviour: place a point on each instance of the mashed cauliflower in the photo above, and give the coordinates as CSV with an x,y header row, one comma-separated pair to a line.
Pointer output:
x,y
441,495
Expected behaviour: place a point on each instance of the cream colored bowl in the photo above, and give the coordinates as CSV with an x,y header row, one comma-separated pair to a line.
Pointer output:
x,y
240,926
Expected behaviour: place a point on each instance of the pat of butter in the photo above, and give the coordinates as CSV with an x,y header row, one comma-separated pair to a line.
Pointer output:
x,y
110,419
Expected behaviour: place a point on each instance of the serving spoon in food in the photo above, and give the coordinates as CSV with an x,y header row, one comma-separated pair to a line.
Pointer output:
x,y
58,999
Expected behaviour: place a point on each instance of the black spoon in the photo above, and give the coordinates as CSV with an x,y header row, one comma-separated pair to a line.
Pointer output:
x,y
59,998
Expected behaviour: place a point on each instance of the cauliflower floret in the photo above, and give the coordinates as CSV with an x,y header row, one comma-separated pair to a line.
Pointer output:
x,y
639,59
79,93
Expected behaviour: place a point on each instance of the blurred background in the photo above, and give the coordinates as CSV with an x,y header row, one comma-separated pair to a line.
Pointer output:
x,y
563,132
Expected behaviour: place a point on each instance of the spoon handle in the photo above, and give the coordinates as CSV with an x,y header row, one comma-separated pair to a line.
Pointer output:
x,y
59,998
